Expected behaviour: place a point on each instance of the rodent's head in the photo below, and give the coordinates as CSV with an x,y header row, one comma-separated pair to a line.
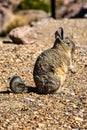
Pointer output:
x,y
65,43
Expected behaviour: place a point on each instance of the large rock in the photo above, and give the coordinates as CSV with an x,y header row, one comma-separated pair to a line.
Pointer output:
x,y
72,9
10,4
5,17
6,13
33,15
23,35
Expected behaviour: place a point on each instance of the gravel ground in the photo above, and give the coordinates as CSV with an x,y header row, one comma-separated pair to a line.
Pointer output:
x,y
31,111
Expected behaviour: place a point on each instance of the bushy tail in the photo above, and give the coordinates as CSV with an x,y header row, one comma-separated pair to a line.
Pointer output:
x,y
17,85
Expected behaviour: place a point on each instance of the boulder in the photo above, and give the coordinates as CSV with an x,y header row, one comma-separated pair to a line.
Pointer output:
x,y
33,15
72,9
23,35
5,17
6,13
9,4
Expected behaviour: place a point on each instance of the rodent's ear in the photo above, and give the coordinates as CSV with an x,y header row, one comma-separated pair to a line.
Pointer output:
x,y
59,34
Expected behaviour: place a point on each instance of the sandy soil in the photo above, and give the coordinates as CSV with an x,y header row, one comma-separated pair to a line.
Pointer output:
x,y
31,111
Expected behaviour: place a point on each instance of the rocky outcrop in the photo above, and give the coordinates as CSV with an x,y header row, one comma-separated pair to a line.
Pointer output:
x,y
72,9
6,13
33,15
9,4
23,35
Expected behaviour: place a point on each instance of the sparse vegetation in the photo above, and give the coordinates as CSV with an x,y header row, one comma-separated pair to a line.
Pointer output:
x,y
15,22
33,4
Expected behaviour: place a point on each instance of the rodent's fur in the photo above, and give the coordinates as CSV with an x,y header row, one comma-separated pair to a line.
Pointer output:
x,y
52,65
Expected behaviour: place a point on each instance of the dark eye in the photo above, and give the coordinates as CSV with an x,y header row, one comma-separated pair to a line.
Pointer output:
x,y
68,43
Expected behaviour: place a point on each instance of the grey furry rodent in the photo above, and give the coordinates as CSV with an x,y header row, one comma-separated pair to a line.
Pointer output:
x,y
52,65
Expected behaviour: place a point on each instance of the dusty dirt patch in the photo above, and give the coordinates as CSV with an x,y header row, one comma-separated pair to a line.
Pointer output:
x,y
31,111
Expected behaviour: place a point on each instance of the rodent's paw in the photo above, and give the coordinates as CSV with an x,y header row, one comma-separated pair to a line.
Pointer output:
x,y
63,90
72,69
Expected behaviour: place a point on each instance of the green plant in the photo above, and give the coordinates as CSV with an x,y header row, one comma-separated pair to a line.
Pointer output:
x,y
33,4
15,22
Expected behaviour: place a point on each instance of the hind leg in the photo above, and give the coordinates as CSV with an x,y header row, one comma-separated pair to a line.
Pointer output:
x,y
47,84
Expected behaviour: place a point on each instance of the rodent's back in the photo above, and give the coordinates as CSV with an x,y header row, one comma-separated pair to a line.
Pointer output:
x,y
50,58
46,60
